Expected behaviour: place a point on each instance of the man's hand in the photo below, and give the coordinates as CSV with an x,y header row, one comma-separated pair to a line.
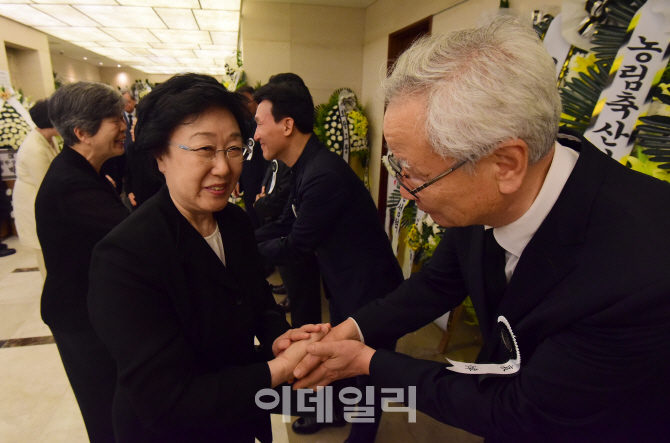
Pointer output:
x,y
281,368
346,330
343,359
111,180
131,197
282,342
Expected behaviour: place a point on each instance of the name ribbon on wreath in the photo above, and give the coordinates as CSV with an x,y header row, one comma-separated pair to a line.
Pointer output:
x,y
396,224
343,102
637,68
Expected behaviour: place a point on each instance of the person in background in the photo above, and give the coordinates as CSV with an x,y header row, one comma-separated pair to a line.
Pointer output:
x,y
563,250
74,209
329,214
177,291
32,162
254,166
301,281
114,169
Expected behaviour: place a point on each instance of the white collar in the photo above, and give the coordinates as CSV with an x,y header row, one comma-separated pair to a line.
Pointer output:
x,y
515,236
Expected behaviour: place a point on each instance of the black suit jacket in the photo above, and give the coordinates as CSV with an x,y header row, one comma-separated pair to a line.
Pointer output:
x,y
252,175
181,326
277,183
589,303
74,209
330,212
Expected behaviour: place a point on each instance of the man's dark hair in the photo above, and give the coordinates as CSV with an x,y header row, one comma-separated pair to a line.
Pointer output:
x,y
289,99
40,114
181,99
287,77
246,90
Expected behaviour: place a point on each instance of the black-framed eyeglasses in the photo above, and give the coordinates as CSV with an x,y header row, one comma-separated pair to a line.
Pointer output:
x,y
209,153
395,165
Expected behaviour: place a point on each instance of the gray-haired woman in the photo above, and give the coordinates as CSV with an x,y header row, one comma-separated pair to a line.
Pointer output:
x,y
74,209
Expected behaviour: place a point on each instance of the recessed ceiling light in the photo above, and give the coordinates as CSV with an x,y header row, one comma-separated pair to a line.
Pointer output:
x,y
85,58
100,62
118,66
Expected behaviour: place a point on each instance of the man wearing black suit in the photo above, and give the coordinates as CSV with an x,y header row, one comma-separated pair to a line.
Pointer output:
x,y
329,212
577,337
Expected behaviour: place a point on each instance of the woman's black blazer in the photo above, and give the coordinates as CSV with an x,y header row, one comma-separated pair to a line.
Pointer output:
x,y
74,209
181,326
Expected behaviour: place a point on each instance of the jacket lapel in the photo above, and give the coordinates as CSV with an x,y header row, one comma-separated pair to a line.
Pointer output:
x,y
194,251
547,258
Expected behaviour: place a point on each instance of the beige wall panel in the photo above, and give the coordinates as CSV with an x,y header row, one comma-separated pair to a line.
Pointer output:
x,y
328,68
264,58
386,16
327,25
37,81
122,77
374,70
470,13
266,21
71,70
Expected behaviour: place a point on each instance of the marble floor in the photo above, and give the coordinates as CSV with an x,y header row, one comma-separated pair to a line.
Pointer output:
x,y
37,403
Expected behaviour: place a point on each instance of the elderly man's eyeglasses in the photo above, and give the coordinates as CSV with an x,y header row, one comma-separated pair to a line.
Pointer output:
x,y
235,154
395,165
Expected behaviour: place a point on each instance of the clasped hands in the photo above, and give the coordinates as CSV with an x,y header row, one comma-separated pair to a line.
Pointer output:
x,y
317,355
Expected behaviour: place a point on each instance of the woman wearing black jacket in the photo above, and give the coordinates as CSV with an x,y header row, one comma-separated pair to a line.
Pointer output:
x,y
178,290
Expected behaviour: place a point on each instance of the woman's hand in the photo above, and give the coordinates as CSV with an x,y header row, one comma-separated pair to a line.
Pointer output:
x,y
281,368
292,335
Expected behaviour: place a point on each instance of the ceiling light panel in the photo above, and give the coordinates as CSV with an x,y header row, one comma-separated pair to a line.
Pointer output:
x,y
228,5
206,53
139,51
67,14
175,45
218,47
172,52
162,3
28,15
122,16
124,45
78,2
83,34
224,38
132,35
113,53
217,20
174,36
176,18
196,61
155,36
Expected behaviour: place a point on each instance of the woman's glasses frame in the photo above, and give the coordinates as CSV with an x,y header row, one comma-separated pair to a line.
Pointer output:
x,y
239,153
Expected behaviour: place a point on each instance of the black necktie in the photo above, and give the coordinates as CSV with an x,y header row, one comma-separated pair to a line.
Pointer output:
x,y
495,281
130,121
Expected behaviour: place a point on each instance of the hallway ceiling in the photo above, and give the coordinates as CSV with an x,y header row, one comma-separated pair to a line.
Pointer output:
x,y
153,36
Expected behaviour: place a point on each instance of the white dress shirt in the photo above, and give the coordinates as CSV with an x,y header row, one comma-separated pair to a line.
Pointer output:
x,y
514,237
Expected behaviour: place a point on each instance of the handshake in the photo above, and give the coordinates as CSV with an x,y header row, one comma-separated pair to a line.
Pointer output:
x,y
317,355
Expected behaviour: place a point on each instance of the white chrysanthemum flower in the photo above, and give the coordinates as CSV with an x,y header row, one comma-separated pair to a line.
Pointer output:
x,y
329,143
339,138
337,146
332,137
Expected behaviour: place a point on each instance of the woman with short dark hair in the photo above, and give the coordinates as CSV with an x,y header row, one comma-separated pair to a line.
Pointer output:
x,y
178,291
75,208
32,162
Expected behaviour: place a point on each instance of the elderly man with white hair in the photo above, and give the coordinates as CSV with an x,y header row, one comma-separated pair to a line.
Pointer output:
x,y
564,252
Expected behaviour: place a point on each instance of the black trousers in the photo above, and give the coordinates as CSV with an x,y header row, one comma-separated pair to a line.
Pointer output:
x,y
92,373
303,288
